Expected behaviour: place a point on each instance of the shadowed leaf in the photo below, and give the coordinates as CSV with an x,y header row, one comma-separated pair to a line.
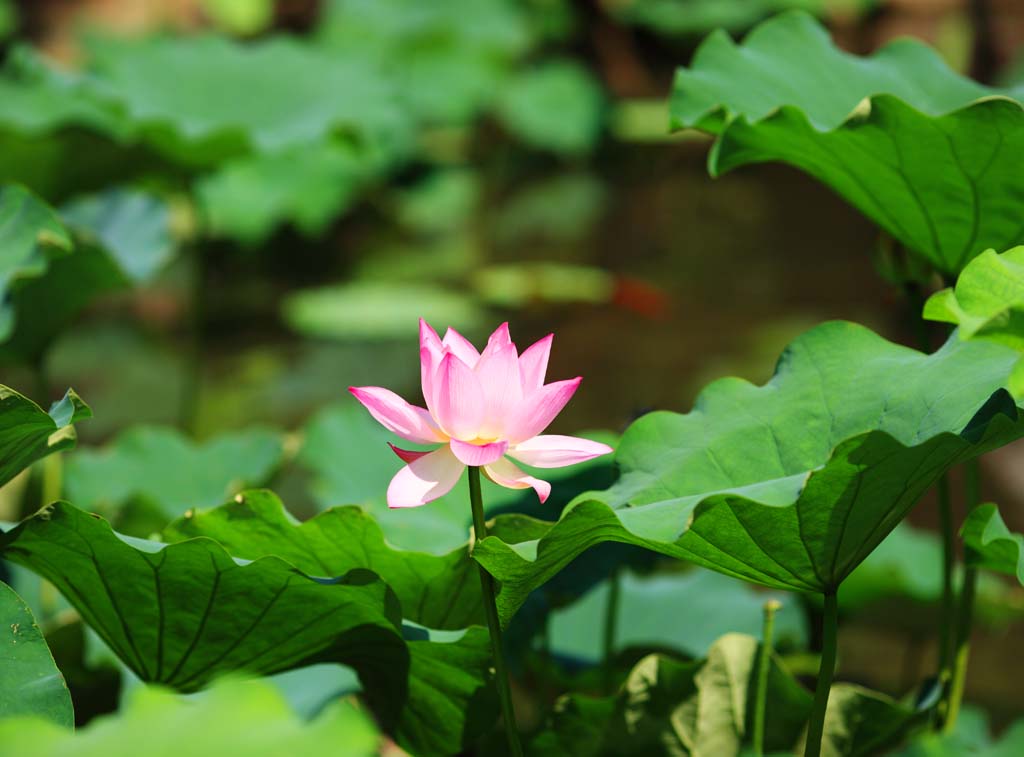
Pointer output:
x,y
930,156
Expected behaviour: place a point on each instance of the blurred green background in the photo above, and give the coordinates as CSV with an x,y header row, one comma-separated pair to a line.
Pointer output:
x,y
287,186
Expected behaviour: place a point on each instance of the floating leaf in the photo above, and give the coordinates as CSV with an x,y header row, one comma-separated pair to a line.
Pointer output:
x,y
648,615
28,433
789,485
377,310
932,157
234,715
30,683
184,613
991,544
165,468
558,106
436,591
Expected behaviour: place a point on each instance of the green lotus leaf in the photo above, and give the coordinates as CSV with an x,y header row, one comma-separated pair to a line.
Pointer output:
x,y
30,683
28,433
987,302
557,106
233,715
440,592
133,226
688,17
190,97
249,197
991,544
470,45
792,484
932,157
163,467
31,233
184,613
648,615
56,264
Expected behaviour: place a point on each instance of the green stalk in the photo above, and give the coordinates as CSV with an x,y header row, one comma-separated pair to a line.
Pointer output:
x,y
763,668
948,564
830,629
493,624
965,612
611,617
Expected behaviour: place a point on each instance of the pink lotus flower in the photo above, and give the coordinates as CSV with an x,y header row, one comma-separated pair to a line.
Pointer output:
x,y
485,409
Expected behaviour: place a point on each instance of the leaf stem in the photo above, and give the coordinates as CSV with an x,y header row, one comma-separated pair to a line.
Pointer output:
x,y
763,668
965,611
830,629
493,624
611,617
948,564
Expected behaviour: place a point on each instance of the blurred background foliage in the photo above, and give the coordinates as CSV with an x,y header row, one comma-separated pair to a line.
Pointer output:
x,y
240,207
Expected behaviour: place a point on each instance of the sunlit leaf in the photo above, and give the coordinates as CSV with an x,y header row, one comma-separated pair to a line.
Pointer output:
x,y
791,484
649,609
987,302
234,715
558,107
30,683
28,433
241,17
932,157
991,544
436,591
165,468
184,613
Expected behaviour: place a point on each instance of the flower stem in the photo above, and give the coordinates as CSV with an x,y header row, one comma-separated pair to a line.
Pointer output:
x,y
493,624
965,611
763,668
830,628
